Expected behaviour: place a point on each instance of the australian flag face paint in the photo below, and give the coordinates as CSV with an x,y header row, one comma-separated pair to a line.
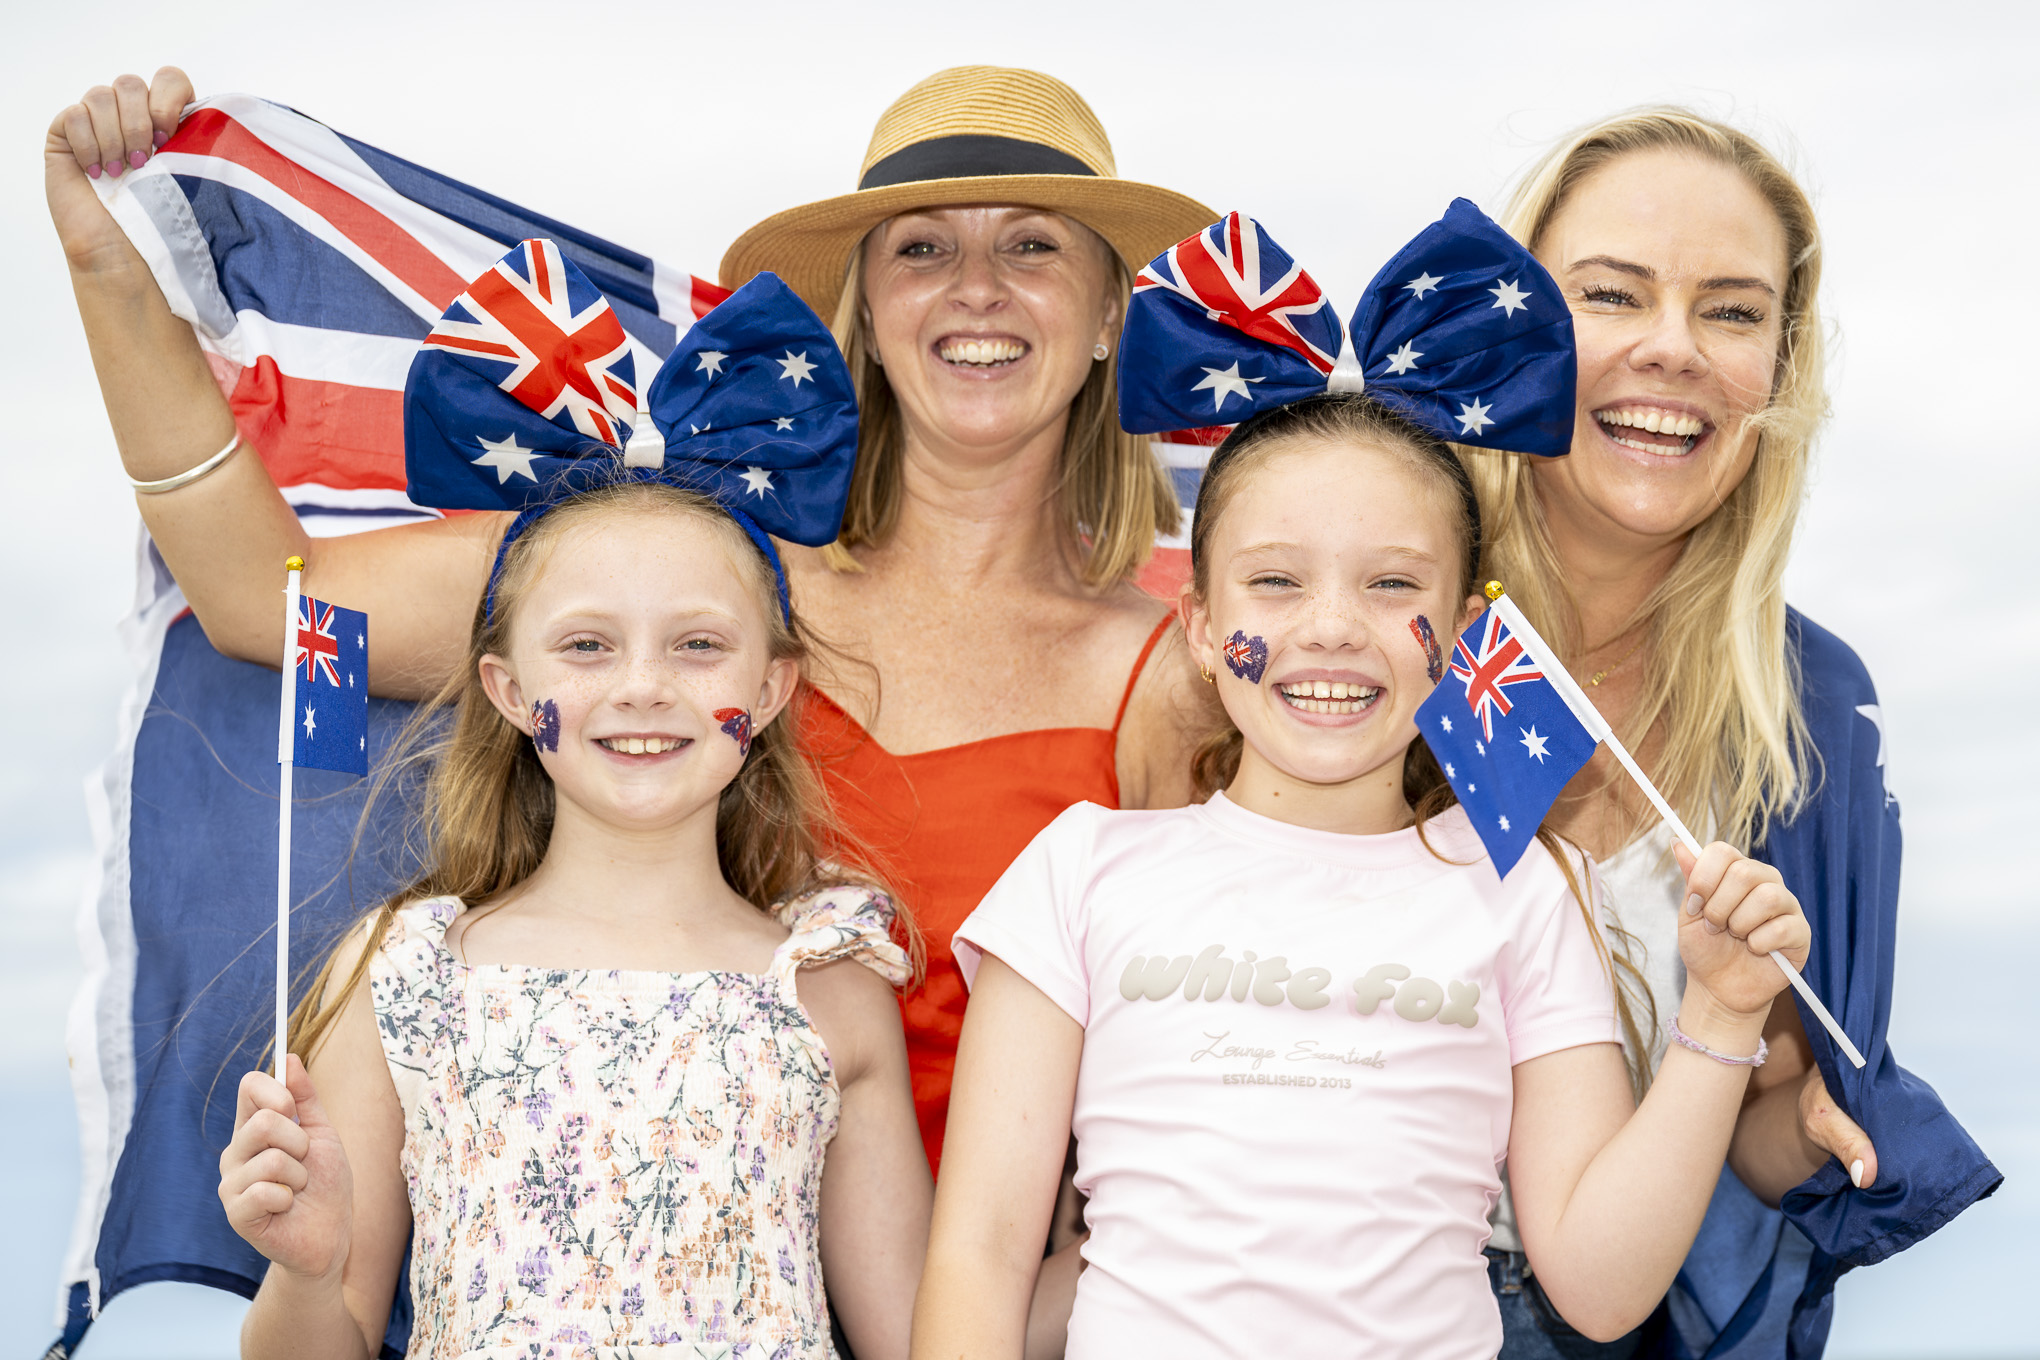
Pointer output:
x,y
545,725
1434,659
1246,656
737,723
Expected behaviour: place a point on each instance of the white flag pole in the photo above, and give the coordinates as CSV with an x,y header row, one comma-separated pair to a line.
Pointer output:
x,y
1590,717
286,715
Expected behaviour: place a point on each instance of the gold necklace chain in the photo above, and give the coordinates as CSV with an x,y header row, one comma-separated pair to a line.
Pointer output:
x,y
1616,664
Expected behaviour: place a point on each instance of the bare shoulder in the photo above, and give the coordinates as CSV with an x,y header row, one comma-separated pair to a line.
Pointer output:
x,y
856,1013
1169,713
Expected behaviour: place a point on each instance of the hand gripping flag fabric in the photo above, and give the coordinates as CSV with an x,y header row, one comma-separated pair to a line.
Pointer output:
x,y
1504,735
329,713
310,266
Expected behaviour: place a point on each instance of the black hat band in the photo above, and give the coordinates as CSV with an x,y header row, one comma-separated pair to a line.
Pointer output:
x,y
968,155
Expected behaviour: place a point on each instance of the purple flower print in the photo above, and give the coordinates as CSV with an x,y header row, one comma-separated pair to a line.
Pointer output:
x,y
633,1304
786,1267
479,1285
718,1325
534,1270
537,1106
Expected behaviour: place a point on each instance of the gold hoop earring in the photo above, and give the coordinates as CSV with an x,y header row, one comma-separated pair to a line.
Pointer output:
x,y
1209,678
1100,353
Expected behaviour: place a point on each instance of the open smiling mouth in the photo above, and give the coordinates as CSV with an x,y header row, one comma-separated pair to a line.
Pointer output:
x,y
1652,429
641,746
994,353
1329,696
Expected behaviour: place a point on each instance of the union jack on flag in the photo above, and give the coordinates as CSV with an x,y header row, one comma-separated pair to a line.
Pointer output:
x,y
317,649
1497,662
1242,278
561,347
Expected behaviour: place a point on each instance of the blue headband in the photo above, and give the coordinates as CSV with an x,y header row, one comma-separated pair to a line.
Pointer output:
x,y
524,394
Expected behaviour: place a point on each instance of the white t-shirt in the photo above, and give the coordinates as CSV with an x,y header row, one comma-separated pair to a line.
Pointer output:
x,y
1301,1159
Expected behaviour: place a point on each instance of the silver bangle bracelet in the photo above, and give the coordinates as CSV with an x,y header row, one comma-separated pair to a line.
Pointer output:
x,y
1685,1040
190,475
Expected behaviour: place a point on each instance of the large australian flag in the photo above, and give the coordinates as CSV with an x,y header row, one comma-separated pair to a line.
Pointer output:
x,y
1504,731
329,710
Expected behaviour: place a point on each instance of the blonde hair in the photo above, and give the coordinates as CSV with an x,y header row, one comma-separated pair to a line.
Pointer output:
x,y
1720,680
1349,418
1112,494
488,803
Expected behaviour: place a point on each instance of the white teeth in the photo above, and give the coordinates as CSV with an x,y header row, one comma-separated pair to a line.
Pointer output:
x,y
1321,689
982,351
1653,420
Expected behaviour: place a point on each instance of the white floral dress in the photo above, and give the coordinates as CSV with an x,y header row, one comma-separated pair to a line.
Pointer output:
x,y
611,1163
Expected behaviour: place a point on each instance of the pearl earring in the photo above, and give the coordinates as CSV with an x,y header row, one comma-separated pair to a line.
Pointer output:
x,y
1099,352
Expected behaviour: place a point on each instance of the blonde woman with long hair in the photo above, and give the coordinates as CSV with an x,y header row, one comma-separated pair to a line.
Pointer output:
x,y
1653,556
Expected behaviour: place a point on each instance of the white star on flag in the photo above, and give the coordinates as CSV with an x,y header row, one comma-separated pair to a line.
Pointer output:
x,y
1426,282
711,362
1473,419
1445,722
309,724
757,481
1404,359
506,457
1505,823
1535,745
1222,383
1449,772
782,423
1509,298
694,429
1479,749
796,367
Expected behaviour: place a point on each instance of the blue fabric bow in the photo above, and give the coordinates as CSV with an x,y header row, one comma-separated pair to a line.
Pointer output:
x,y
1463,332
524,393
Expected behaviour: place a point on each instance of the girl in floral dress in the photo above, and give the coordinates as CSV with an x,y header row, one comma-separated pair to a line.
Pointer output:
x,y
623,1067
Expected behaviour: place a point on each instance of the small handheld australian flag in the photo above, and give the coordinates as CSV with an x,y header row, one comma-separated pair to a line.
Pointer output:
x,y
329,711
1506,730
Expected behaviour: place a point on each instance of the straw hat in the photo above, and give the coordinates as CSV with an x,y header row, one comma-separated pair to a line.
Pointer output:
x,y
971,134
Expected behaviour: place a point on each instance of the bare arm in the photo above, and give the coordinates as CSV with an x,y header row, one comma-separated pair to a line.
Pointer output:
x,y
1009,1125
1168,716
225,537
875,1187
1790,1124
1608,1203
317,1188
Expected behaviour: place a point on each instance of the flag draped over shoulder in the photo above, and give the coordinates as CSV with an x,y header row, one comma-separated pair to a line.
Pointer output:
x,y
310,266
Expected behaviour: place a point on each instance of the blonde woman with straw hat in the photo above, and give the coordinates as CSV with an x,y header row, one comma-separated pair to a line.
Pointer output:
x,y
996,662
1653,556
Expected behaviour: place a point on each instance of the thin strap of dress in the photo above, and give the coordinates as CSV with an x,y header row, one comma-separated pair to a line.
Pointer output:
x,y
1139,665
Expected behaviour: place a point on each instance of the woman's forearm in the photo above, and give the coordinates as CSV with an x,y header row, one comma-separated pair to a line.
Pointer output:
x,y
294,1318
973,1303
1770,1151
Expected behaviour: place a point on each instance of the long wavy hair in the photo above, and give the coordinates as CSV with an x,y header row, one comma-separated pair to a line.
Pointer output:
x,y
1350,419
1720,685
1112,494
488,803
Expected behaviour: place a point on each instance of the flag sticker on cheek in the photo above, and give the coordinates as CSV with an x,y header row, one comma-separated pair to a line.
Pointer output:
x,y
737,723
545,725
1246,656
1434,657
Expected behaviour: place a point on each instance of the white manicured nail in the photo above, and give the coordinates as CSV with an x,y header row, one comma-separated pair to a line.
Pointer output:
x,y
1856,1173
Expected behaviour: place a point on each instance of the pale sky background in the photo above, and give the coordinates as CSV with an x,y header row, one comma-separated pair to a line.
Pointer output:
x,y
1344,128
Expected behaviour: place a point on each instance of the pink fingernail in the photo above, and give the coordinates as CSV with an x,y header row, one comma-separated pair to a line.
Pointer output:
x,y
161,137
137,158
92,170
113,169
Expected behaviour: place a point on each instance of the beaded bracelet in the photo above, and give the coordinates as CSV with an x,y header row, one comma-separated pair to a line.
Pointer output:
x,y
1685,1040
190,475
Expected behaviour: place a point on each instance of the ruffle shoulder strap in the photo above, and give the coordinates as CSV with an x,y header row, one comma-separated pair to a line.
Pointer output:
x,y
846,921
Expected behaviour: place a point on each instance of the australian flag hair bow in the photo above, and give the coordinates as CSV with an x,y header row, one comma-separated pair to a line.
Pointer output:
x,y
525,393
1464,333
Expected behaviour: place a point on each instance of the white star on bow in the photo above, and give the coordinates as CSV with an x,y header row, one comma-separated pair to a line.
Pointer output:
x,y
1450,773
1222,383
1426,282
782,422
1509,298
507,457
757,481
1535,744
1473,419
711,362
309,724
1505,823
1404,359
796,367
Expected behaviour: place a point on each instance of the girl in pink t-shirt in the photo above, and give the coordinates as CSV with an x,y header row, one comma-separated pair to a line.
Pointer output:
x,y
1297,1028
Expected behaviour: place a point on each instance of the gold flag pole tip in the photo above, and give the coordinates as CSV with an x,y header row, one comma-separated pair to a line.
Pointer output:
x,y
293,564
1494,590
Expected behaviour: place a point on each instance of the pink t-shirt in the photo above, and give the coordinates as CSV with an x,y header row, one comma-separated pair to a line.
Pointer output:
x,y
1295,1086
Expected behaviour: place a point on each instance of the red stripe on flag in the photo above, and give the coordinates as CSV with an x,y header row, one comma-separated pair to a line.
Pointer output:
x,y
706,296
1165,574
351,438
208,132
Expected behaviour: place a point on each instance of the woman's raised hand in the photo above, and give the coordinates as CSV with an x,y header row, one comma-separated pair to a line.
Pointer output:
x,y
113,129
284,1178
1737,910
